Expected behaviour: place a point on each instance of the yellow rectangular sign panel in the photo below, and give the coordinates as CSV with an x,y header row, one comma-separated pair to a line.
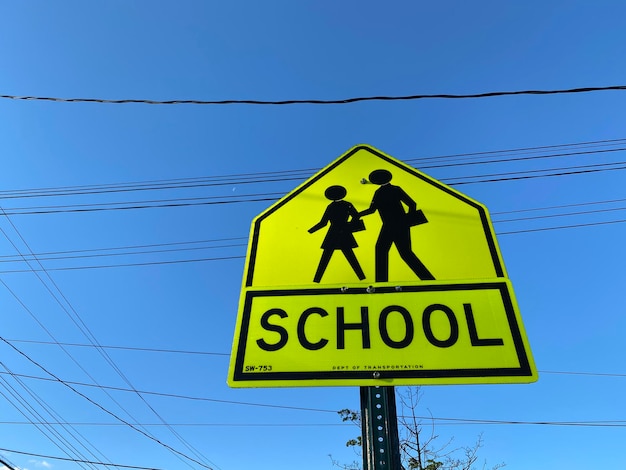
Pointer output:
x,y
409,334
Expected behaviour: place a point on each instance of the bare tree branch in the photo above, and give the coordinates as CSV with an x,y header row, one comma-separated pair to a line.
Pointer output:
x,y
420,450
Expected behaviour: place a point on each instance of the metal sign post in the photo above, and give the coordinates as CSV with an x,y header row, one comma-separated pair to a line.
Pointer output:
x,y
379,422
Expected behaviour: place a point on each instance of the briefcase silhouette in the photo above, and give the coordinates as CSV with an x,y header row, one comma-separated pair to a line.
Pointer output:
x,y
416,217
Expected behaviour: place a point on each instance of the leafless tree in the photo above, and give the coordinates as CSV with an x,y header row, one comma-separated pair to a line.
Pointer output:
x,y
420,446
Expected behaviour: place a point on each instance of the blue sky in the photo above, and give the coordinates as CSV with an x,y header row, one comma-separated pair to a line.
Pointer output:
x,y
568,281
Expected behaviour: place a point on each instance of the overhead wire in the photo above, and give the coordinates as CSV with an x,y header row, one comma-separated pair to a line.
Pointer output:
x,y
129,348
234,425
96,252
351,100
211,244
77,320
595,423
525,150
560,206
561,227
531,176
110,413
297,174
8,464
79,461
43,327
12,194
127,265
175,183
234,402
171,395
89,335
63,307
261,178
225,354
248,198
439,420
145,432
72,254
26,408
507,160
173,202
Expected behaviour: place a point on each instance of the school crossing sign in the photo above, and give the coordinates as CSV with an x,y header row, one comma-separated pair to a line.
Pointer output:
x,y
373,273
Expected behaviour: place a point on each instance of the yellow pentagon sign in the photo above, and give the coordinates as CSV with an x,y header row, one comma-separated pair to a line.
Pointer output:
x,y
373,273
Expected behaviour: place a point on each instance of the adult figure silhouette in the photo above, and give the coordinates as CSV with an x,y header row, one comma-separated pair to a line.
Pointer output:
x,y
342,217
388,200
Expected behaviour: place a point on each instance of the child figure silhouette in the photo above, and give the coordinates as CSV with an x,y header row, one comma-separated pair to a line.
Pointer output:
x,y
342,217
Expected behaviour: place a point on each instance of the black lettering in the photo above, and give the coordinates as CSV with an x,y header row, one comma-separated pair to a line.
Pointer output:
x,y
471,325
342,326
301,325
454,326
408,323
284,336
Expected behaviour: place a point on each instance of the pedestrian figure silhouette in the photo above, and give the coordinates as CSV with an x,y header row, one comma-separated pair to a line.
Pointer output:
x,y
396,229
343,219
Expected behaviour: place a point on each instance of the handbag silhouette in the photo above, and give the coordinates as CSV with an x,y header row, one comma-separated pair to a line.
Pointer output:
x,y
416,217
357,225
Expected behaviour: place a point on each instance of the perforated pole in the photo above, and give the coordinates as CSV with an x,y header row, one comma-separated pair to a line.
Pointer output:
x,y
379,421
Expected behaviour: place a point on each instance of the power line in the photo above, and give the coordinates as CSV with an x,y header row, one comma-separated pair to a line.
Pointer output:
x,y
439,420
269,177
132,206
241,257
603,424
231,425
172,203
44,254
550,216
273,196
127,265
170,395
196,245
132,426
91,462
561,227
561,171
526,150
129,348
7,464
528,177
85,190
561,206
318,101
27,409
592,374
83,328
224,354
72,254
517,159
201,181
